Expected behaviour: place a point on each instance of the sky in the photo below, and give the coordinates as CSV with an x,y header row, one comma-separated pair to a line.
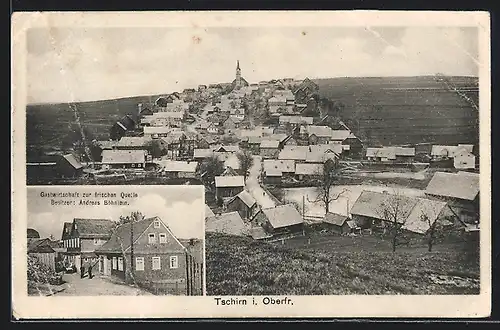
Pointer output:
x,y
85,64
181,208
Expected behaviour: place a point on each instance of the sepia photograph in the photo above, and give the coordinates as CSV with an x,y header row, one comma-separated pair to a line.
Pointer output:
x,y
337,155
115,241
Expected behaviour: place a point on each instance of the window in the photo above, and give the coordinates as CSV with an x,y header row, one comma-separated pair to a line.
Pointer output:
x,y
139,263
163,238
139,165
174,262
157,224
156,263
86,259
114,262
96,241
151,238
120,263
77,242
133,165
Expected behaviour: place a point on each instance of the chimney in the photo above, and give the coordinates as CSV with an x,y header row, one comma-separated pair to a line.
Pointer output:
x,y
139,109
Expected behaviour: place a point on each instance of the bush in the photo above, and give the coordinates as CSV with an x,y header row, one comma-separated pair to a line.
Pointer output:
x,y
40,273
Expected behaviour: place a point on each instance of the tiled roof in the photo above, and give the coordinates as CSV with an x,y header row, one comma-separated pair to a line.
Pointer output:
x,y
148,130
309,169
246,198
335,218
203,153
93,228
177,166
132,141
319,131
455,185
271,144
283,216
120,239
70,158
287,166
428,207
296,120
340,135
259,233
373,204
294,153
229,181
228,223
123,156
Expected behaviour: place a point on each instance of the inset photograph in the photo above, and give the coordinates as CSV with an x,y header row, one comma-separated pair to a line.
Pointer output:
x,y
109,240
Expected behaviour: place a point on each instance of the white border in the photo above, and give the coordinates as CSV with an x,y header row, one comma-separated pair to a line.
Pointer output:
x,y
304,306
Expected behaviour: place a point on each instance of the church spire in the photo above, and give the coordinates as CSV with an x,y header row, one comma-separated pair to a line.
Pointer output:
x,y
238,65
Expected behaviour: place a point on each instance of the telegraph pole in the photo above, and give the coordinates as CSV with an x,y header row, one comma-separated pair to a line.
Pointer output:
x,y
132,246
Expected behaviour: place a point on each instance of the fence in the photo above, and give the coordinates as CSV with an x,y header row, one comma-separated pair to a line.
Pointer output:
x,y
191,285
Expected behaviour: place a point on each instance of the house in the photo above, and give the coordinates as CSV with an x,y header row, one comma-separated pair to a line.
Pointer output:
x,y
200,154
320,153
446,152
228,186
416,215
318,134
282,219
252,143
381,154
227,149
214,128
121,127
460,190
296,153
462,159
404,155
368,210
158,255
259,233
352,146
244,204
272,167
132,143
294,121
269,148
156,131
83,238
41,250
115,159
308,171
339,223
178,169
229,223
68,166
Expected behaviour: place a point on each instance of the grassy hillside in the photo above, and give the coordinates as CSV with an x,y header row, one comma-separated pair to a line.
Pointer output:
x,y
400,110
348,265
47,125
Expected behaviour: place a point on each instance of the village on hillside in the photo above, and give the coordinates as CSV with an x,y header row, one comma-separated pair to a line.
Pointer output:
x,y
281,166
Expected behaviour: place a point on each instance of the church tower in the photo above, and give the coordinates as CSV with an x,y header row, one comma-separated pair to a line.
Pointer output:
x,y
238,75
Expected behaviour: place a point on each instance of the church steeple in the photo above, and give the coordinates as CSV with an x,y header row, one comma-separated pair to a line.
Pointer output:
x,y
238,75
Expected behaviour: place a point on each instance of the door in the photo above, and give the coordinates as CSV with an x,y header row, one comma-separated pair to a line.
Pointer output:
x,y
78,262
107,266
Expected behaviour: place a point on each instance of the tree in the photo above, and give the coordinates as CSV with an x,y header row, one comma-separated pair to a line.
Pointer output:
x,y
394,210
245,160
327,178
156,149
210,168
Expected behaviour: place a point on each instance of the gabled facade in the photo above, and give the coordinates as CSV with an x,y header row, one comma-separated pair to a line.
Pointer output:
x,y
146,251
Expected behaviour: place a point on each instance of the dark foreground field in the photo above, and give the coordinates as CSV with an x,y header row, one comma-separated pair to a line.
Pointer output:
x,y
403,110
343,265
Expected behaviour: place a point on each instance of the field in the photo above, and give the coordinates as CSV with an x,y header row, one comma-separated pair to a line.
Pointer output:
x,y
335,266
404,110
48,125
